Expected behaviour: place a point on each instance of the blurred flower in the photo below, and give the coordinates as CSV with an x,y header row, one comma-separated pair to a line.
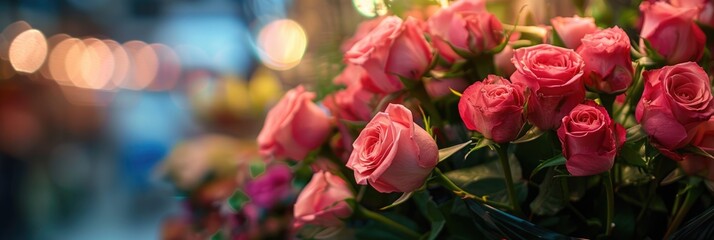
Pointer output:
x,y
273,186
668,28
322,204
572,29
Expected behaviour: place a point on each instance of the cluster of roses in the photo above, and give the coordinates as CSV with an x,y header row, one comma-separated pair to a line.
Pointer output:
x,y
392,58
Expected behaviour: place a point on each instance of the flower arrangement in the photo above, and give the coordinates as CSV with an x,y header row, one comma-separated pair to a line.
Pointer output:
x,y
456,125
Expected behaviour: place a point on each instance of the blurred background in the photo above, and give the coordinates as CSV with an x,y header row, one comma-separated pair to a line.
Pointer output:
x,y
113,113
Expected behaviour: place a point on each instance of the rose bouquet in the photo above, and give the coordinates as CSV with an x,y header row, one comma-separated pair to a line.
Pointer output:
x,y
456,125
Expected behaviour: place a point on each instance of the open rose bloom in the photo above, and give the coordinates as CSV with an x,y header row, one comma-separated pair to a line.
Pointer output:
x,y
675,100
590,139
464,26
392,153
554,77
393,49
672,31
294,126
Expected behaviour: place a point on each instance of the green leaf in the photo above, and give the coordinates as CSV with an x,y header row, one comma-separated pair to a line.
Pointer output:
x,y
256,168
238,200
673,176
483,142
445,153
554,161
530,135
635,133
698,151
632,154
431,211
405,196
490,170
549,200
219,235
653,54
631,175
455,92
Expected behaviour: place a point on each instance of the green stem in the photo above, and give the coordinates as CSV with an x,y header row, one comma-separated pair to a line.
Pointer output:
x,y
502,150
650,191
447,183
693,194
429,107
608,101
388,222
610,194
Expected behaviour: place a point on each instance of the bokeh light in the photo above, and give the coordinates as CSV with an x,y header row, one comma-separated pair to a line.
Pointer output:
x,y
281,44
28,51
51,44
59,60
97,64
370,8
144,64
9,34
169,68
121,64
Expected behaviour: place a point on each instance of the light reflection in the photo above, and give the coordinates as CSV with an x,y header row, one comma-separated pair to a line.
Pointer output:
x,y
281,44
370,8
28,51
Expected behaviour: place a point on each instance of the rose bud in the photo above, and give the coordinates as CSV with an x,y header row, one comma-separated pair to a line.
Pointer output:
x,y
703,138
554,77
392,153
608,65
675,99
322,203
271,187
466,26
493,108
294,126
572,29
590,139
671,31
394,49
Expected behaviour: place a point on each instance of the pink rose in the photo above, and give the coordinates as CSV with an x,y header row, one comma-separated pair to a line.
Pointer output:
x,y
672,32
703,138
392,153
590,139
572,29
352,103
438,88
321,203
351,74
493,108
466,26
395,48
294,126
675,100
554,77
608,66
273,186
705,9
362,30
